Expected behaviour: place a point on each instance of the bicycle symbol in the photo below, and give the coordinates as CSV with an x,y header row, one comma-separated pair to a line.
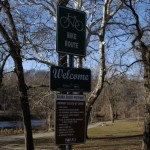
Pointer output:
x,y
68,20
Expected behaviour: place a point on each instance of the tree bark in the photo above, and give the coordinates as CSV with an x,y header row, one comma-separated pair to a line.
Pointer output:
x,y
111,110
102,70
146,134
24,104
2,69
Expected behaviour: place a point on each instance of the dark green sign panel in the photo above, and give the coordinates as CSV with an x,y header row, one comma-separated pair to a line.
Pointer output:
x,y
70,79
71,31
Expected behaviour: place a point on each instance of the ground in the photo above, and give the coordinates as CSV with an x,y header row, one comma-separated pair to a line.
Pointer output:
x,y
122,135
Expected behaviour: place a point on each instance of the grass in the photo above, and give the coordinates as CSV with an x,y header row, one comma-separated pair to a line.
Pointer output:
x,y
117,129
111,144
122,135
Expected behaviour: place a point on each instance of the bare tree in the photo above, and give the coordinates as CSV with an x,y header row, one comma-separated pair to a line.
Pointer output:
x,y
106,17
96,26
9,34
139,31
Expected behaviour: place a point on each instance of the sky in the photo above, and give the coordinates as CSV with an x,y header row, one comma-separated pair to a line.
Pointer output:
x,y
112,54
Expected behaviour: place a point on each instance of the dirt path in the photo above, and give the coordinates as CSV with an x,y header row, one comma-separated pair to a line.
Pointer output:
x,y
12,138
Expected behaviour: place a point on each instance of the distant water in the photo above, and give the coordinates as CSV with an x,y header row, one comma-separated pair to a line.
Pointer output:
x,y
19,124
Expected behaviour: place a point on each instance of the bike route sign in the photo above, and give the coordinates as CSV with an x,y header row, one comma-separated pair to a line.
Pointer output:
x,y
69,119
71,31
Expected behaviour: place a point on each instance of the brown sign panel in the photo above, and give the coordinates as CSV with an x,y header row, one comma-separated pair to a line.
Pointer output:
x,y
70,119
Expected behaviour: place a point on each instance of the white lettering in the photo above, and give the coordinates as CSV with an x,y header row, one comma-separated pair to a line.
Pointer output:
x,y
75,76
86,77
56,73
64,76
71,76
59,73
71,35
71,44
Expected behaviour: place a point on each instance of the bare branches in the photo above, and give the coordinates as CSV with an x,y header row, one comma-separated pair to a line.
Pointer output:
x,y
107,15
6,36
6,6
138,27
2,65
3,62
37,86
47,62
4,43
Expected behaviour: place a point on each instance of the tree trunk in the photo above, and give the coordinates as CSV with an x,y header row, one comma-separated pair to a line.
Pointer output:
x,y
112,111
1,79
24,104
88,111
107,15
49,121
146,134
2,70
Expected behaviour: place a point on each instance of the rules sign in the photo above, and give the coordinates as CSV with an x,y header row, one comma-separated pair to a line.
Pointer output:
x,y
71,31
70,119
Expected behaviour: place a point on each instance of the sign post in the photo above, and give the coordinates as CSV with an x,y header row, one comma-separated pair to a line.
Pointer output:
x,y
70,109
